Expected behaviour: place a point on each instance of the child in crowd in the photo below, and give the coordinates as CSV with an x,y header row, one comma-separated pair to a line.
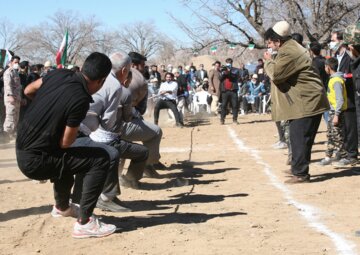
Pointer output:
x,y
336,94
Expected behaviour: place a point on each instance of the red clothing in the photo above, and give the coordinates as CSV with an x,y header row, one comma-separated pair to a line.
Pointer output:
x,y
227,84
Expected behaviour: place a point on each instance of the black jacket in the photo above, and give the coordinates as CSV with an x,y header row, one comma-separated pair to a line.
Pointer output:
x,y
345,67
182,84
355,67
233,76
318,63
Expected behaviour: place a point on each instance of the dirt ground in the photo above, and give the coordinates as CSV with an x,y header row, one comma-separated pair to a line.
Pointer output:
x,y
224,193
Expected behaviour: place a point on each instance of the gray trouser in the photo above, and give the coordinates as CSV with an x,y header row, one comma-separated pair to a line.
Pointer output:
x,y
2,112
12,111
147,133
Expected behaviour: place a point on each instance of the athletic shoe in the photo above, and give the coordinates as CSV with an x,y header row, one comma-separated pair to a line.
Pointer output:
x,y
276,144
346,162
72,211
94,228
111,205
281,145
325,162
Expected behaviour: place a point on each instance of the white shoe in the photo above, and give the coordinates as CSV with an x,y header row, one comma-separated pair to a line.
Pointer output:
x,y
276,144
72,211
281,145
94,228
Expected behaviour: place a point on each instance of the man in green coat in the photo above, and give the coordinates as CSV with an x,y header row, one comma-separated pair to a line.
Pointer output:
x,y
297,95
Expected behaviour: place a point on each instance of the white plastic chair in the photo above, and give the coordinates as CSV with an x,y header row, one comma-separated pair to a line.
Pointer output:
x,y
201,98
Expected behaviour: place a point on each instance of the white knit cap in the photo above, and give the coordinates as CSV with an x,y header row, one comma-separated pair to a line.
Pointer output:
x,y
282,28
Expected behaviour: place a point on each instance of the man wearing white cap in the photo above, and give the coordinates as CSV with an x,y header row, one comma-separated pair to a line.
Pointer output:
x,y
47,68
297,95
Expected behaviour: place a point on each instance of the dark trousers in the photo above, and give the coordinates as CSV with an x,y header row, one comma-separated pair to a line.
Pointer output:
x,y
61,166
226,97
116,149
166,104
351,133
357,102
302,136
137,153
281,131
110,188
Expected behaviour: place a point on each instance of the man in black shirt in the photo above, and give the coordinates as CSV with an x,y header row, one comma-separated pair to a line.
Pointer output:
x,y
50,126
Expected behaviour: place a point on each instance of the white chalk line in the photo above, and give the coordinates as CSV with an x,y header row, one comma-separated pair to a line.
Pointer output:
x,y
310,213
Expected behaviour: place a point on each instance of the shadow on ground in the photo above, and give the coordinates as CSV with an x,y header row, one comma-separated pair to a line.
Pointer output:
x,y
18,213
179,199
177,182
353,171
12,181
126,224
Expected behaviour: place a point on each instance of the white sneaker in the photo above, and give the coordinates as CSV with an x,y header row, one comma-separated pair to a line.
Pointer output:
x,y
281,145
276,144
94,228
72,211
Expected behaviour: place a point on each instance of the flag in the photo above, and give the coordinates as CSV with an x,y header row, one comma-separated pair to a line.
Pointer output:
x,y
62,52
231,46
8,58
213,50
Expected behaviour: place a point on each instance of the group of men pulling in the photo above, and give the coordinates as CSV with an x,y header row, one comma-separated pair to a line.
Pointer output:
x,y
77,128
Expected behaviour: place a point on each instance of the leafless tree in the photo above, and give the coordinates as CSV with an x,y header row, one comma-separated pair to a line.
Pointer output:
x,y
10,36
141,37
245,22
85,36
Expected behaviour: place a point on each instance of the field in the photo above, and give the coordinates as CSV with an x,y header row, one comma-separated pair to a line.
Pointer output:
x,y
224,193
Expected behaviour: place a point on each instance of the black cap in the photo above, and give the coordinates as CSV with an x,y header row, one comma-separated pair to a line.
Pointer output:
x,y
136,57
23,64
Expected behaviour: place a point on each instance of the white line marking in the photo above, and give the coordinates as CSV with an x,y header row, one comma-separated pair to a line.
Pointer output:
x,y
309,212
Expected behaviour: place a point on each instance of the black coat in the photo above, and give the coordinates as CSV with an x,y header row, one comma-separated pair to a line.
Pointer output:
x,y
318,63
355,67
345,67
198,75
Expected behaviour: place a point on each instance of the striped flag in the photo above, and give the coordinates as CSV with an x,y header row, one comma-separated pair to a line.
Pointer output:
x,y
62,52
213,50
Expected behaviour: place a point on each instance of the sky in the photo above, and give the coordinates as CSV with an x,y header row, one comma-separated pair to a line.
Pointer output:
x,y
110,13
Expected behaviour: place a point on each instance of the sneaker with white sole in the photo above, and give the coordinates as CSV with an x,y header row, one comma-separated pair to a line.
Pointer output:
x,y
72,211
94,228
346,162
281,145
325,162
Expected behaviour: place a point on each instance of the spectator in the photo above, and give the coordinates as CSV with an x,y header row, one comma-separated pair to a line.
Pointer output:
x,y
297,95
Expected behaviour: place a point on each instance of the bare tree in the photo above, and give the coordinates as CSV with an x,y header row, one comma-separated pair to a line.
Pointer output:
x,y
84,36
10,36
140,37
318,17
245,22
